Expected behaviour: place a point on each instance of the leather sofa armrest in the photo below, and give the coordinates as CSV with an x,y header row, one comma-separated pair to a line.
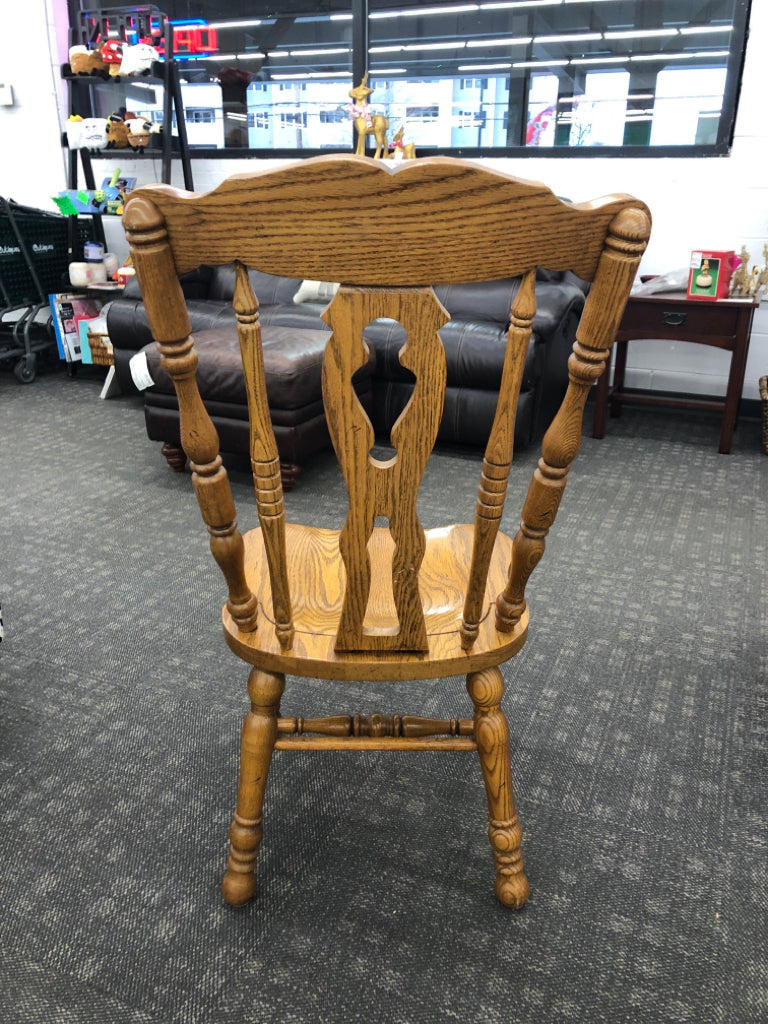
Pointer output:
x,y
128,328
553,303
195,285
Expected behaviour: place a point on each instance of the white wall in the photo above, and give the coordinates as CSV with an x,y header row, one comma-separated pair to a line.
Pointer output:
x,y
733,212
33,45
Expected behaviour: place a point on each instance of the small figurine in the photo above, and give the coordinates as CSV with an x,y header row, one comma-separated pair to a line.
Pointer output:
x,y
704,278
401,150
740,278
73,130
753,279
366,122
761,285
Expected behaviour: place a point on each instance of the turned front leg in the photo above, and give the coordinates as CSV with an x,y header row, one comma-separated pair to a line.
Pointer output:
x,y
486,688
258,741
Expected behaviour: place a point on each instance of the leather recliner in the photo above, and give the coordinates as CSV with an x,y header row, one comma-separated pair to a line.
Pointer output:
x,y
293,337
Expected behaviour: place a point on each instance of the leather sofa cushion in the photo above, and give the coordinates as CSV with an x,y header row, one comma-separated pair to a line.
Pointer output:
x,y
296,442
467,413
474,353
489,300
292,366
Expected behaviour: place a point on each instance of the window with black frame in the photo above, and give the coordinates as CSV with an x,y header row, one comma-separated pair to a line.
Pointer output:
x,y
560,75
529,77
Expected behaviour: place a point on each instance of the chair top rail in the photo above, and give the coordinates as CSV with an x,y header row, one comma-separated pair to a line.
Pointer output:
x,y
338,218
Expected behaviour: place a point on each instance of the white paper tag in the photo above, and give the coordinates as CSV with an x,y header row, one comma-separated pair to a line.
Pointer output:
x,y
140,371
696,260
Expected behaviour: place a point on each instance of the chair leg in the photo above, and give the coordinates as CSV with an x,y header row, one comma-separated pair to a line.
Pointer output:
x,y
486,689
258,741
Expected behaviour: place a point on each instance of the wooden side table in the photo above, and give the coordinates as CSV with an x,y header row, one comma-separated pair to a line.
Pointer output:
x,y
724,324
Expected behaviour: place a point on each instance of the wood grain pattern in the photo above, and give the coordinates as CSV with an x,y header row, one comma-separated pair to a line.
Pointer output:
x,y
498,455
486,690
258,741
376,724
402,743
369,603
339,218
375,732
265,461
164,300
383,488
313,557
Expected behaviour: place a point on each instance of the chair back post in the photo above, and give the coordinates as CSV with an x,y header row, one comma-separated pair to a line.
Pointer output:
x,y
624,245
498,457
265,460
147,236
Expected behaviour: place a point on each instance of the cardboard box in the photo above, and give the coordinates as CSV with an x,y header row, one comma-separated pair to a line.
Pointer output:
x,y
709,277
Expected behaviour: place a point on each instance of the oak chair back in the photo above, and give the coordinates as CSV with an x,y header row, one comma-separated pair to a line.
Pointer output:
x,y
387,233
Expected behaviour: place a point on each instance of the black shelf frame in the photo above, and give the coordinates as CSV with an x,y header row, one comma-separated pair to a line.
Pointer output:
x,y
165,73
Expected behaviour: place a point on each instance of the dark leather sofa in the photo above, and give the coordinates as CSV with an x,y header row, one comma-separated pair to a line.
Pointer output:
x,y
474,342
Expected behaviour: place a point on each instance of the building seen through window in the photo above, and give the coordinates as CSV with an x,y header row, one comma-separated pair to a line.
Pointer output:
x,y
550,76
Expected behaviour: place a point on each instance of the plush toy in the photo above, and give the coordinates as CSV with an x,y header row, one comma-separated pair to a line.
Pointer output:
x,y
83,61
138,59
139,131
73,130
86,133
117,132
112,55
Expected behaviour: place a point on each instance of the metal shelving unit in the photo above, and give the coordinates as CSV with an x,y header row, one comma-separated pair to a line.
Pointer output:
x,y
97,24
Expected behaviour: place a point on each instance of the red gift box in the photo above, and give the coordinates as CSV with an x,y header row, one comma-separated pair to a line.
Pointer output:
x,y
710,275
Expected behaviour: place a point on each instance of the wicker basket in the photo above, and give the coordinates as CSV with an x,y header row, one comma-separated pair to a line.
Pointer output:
x,y
101,349
764,399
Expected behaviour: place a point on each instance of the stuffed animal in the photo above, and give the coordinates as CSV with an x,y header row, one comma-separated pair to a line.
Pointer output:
x,y
73,131
138,59
139,131
86,133
112,55
117,132
83,61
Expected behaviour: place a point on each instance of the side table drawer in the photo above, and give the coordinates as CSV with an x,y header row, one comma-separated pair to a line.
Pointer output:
x,y
678,320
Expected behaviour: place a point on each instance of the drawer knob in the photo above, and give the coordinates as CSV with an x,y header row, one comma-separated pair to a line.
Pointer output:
x,y
670,319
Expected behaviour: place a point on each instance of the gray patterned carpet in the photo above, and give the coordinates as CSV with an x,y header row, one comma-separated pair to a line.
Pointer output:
x,y
637,710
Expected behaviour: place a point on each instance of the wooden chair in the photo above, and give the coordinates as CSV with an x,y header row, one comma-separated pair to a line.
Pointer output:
x,y
371,602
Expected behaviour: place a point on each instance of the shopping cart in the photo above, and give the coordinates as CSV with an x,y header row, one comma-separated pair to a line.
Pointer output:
x,y
34,256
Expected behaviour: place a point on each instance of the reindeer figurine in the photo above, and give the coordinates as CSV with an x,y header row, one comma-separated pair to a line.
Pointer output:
x,y
740,279
401,150
761,282
366,122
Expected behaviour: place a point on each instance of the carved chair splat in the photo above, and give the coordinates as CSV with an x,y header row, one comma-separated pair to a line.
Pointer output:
x,y
368,602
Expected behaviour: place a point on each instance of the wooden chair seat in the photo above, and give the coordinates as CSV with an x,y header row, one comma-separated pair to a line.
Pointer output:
x,y
312,556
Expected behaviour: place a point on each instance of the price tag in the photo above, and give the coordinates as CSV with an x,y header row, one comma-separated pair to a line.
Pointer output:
x,y
142,378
